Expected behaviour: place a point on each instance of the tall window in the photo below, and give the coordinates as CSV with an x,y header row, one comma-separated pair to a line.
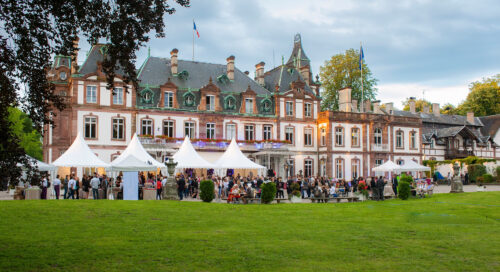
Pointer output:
x,y
230,131
91,94
377,136
118,129
189,129
323,136
339,168
308,166
355,168
379,162
169,100
355,137
289,108
267,132
249,130
210,131
289,134
399,139
307,110
91,127
308,137
147,127
248,105
339,136
168,128
413,140
118,96
432,143
210,99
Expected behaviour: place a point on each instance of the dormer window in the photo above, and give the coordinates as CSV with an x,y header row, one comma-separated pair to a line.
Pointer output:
x,y
210,101
248,105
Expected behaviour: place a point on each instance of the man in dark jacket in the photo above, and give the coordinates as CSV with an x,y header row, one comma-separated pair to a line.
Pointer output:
x,y
380,186
373,187
181,184
395,184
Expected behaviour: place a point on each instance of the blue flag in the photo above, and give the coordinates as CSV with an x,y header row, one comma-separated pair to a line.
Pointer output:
x,y
194,28
361,57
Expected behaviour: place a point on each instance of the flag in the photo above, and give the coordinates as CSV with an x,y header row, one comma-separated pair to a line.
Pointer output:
x,y
194,28
361,57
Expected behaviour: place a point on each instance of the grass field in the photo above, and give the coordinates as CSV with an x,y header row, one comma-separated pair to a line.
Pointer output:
x,y
447,232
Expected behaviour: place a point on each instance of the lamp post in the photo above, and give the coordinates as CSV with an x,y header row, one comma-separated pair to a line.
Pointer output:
x,y
170,188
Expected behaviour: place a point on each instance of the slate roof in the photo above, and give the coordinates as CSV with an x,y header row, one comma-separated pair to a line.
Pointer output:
x,y
156,71
283,76
298,53
491,124
95,55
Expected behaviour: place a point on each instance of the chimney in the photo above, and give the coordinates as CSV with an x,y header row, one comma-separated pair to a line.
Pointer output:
x,y
74,58
259,73
389,108
470,117
173,61
435,109
345,100
230,67
368,105
412,105
354,105
426,109
376,106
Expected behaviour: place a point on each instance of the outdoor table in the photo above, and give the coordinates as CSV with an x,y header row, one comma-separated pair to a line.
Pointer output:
x,y
33,193
148,194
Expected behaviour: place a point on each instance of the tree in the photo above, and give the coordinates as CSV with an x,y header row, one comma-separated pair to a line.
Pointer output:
x,y
419,105
448,109
29,137
35,30
342,71
483,98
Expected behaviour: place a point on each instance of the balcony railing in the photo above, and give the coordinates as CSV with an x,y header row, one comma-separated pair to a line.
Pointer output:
x,y
211,144
450,154
380,147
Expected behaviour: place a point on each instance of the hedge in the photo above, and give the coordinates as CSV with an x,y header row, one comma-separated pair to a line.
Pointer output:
x,y
207,190
475,171
268,192
404,189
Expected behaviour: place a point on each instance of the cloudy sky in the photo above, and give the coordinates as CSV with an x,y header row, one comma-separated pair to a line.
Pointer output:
x,y
414,48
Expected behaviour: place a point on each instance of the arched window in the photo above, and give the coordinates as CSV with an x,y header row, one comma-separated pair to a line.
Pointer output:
x,y
355,168
399,139
377,136
339,168
339,136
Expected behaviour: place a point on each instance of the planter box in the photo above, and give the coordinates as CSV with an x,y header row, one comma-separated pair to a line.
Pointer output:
x,y
33,193
295,199
149,194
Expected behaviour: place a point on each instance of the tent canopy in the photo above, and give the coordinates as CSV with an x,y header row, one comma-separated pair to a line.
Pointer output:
x,y
388,166
136,149
132,163
411,165
233,158
187,157
41,165
79,155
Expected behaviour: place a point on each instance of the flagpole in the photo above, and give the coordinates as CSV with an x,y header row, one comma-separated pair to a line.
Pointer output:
x,y
193,40
361,64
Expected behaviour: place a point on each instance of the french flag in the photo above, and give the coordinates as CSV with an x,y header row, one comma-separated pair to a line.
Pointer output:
x,y
194,28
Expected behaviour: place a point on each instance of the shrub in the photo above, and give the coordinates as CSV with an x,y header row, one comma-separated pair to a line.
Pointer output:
x,y
498,171
475,171
268,192
404,187
487,178
295,189
207,190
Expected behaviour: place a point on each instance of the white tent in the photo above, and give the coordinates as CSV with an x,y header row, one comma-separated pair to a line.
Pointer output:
x,y
411,165
132,163
79,155
135,148
388,166
41,165
233,158
187,157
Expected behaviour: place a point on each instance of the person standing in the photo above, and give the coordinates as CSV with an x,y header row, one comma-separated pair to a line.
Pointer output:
x,y
71,187
373,187
44,188
94,183
77,187
57,186
85,186
380,186
65,185
466,178
158,189
395,184
181,184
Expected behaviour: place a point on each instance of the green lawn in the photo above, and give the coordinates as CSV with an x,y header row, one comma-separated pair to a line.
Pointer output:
x,y
447,232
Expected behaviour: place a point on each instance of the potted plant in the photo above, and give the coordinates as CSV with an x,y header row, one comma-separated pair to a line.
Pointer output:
x,y
295,195
362,191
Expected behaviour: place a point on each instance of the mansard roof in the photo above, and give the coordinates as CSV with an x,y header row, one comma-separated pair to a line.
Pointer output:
x,y
156,72
298,53
95,55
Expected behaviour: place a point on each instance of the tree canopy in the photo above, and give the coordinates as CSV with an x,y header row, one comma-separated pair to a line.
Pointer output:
x,y
419,105
342,71
30,138
483,98
33,31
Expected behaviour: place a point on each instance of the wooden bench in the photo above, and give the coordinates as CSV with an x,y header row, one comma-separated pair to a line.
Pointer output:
x,y
385,197
349,198
319,199
279,199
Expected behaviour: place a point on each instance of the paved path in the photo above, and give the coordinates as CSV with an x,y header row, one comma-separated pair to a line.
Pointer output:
x,y
438,190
